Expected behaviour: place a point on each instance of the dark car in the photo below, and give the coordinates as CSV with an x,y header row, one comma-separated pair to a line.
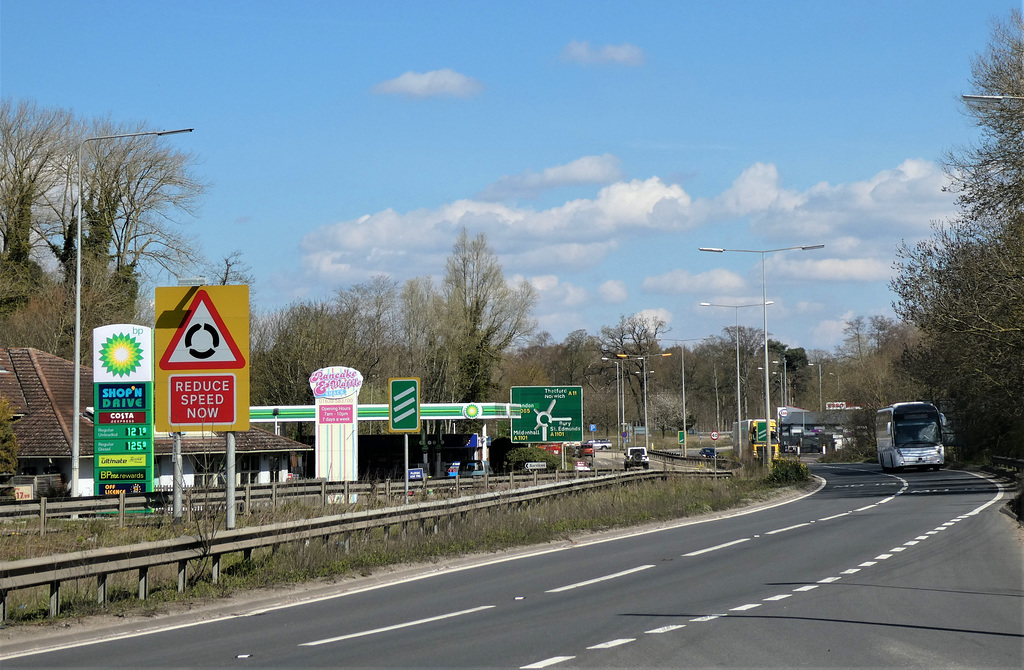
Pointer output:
x,y
708,452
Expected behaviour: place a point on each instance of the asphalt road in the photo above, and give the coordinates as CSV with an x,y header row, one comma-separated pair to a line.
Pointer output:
x,y
917,569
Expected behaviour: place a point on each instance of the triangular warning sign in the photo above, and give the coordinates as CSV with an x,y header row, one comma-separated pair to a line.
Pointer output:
x,y
202,342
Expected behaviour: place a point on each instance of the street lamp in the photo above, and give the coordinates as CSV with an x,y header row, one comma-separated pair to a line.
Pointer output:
x,y
990,98
764,296
682,375
643,362
818,365
737,308
619,407
76,436
785,386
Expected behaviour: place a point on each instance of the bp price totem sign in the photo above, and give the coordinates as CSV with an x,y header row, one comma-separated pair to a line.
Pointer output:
x,y
122,409
202,352
547,414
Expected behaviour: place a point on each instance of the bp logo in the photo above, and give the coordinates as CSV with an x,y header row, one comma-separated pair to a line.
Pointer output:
x,y
122,352
120,355
471,411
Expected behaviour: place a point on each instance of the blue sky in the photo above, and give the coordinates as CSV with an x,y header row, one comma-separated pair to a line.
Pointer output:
x,y
596,144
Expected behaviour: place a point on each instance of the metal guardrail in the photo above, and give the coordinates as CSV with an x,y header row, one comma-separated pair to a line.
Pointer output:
x,y
99,563
1011,463
257,495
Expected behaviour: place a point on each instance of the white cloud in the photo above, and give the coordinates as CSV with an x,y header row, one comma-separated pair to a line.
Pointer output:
x,y
613,291
604,54
681,281
586,170
436,83
657,314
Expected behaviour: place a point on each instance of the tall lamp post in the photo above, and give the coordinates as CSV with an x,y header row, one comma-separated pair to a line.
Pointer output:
x,y
619,409
682,375
643,362
736,309
764,295
76,436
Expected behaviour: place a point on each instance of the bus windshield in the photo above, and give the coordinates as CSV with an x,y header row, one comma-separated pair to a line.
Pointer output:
x,y
915,429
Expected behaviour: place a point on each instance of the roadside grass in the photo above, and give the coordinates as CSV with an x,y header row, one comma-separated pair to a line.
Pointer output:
x,y
344,556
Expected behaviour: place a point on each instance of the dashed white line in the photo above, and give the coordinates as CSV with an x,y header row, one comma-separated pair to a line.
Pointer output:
x,y
835,516
867,564
546,662
829,580
783,530
744,608
613,643
808,587
851,571
709,617
665,629
398,626
716,547
883,557
577,585
866,507
781,596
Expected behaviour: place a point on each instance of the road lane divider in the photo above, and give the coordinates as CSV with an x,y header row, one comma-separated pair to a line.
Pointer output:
x,y
596,580
397,626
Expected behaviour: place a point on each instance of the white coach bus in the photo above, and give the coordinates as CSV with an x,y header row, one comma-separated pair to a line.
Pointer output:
x,y
909,434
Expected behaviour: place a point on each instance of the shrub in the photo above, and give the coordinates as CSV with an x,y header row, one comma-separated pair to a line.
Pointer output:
x,y
786,471
516,459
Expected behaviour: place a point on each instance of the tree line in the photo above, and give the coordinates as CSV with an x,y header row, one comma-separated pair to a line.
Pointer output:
x,y
470,336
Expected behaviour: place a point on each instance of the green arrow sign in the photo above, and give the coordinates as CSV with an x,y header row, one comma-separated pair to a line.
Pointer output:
x,y
404,405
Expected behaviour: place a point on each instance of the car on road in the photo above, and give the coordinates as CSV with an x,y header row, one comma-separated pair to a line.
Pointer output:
x,y
636,457
475,469
453,469
708,452
600,444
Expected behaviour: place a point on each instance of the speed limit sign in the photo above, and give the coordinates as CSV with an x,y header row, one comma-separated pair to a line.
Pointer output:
x,y
714,435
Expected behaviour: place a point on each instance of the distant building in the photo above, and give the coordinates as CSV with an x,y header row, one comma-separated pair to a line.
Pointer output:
x,y
813,431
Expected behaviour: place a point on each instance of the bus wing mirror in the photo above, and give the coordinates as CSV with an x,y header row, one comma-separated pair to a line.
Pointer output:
x,y
888,428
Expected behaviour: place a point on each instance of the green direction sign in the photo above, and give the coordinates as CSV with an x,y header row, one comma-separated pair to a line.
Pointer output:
x,y
547,414
404,405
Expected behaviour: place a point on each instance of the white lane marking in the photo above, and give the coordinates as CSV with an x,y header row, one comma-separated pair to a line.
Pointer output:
x,y
883,557
835,516
808,587
716,547
665,629
898,549
867,564
932,532
949,523
744,608
911,543
781,596
613,643
783,530
866,507
397,626
851,571
546,662
577,585
829,580
709,617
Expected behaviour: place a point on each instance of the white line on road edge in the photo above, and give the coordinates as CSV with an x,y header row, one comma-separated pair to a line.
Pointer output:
x,y
598,579
717,547
396,626
546,662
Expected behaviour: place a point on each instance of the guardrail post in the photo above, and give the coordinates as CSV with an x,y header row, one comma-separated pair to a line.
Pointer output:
x,y
345,493
387,532
188,504
182,566
248,499
101,588
143,582
54,598
273,496
42,516
348,542
3,606
120,508
215,569
323,494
